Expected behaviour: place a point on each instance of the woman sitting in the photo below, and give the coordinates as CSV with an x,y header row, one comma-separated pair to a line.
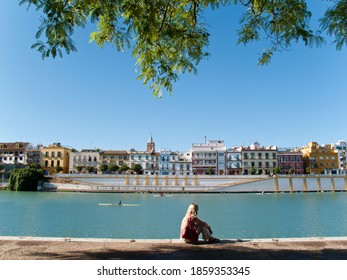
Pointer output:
x,y
191,227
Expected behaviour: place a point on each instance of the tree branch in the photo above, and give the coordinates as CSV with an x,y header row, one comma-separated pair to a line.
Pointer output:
x,y
164,17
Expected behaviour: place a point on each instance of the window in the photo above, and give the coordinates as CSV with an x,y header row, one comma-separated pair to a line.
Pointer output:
x,y
286,158
59,154
46,163
46,154
292,158
53,154
58,163
52,163
298,159
279,159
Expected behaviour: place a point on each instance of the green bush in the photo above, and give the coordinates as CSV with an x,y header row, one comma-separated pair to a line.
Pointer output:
x,y
25,179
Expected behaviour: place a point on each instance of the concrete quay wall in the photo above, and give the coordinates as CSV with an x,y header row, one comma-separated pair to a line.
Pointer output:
x,y
137,183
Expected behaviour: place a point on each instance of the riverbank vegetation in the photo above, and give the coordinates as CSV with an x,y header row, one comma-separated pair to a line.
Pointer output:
x,y
25,179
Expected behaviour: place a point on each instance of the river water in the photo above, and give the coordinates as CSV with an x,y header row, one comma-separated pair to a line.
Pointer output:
x,y
232,216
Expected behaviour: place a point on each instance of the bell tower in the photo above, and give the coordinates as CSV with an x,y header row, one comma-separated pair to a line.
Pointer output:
x,y
150,145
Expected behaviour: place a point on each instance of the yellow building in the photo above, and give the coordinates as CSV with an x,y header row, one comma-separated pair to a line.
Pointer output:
x,y
53,156
320,159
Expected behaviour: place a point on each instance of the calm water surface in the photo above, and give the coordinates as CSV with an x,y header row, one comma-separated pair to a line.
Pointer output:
x,y
230,215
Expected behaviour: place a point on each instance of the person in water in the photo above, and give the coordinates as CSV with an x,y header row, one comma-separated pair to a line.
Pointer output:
x,y
192,227
119,203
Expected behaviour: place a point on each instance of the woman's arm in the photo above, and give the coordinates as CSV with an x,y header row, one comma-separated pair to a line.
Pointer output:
x,y
202,224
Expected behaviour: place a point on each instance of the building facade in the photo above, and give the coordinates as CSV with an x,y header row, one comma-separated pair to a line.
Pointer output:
x,y
320,159
85,161
115,157
54,156
341,147
209,158
290,161
19,153
258,159
149,159
234,161
174,163
33,155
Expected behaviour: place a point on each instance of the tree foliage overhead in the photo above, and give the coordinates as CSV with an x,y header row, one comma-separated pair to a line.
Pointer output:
x,y
170,37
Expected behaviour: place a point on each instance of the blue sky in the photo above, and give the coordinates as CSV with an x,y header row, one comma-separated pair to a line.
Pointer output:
x,y
91,98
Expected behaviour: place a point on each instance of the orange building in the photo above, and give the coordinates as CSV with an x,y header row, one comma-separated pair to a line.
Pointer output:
x,y
53,156
320,159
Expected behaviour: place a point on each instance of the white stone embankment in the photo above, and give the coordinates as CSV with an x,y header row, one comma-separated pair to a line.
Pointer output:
x,y
220,184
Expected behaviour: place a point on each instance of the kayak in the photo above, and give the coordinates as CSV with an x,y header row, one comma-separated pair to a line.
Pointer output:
x,y
115,204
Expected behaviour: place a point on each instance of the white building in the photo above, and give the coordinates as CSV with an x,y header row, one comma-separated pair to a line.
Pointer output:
x,y
341,147
174,163
234,161
209,158
84,160
258,159
19,153
149,159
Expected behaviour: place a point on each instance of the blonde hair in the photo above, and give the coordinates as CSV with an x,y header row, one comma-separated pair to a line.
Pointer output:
x,y
192,210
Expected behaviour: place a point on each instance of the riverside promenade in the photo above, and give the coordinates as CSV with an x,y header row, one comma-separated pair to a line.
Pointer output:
x,y
196,183
35,248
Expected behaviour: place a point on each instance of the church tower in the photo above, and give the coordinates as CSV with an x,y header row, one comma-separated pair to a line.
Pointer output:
x,y
150,145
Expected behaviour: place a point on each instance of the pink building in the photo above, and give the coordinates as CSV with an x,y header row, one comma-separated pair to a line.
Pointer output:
x,y
290,161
